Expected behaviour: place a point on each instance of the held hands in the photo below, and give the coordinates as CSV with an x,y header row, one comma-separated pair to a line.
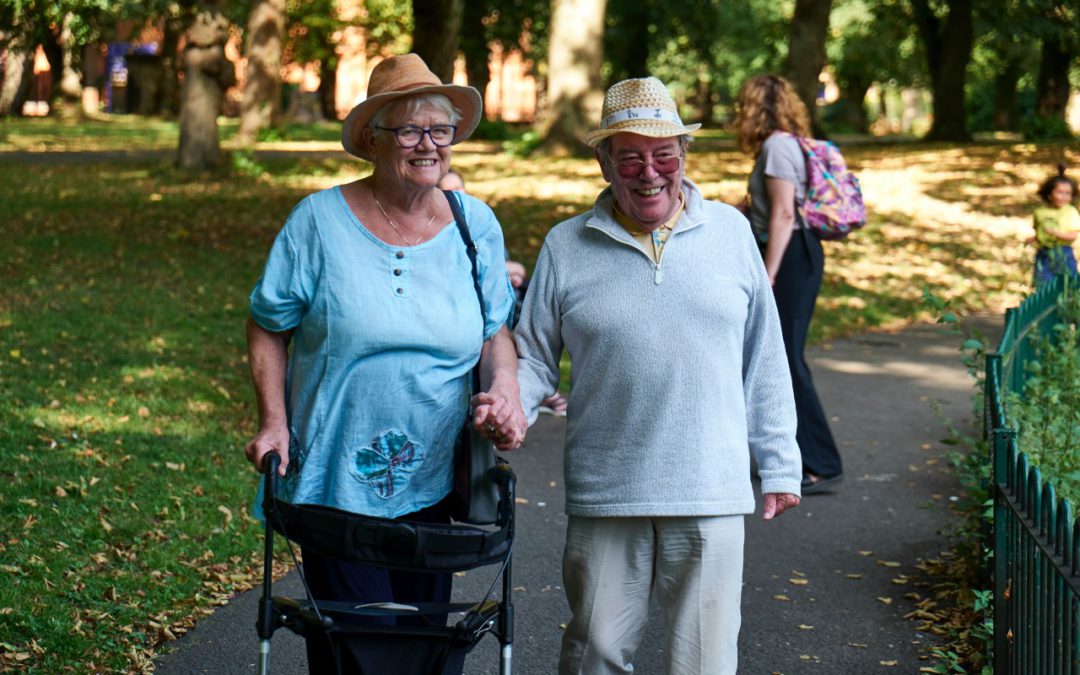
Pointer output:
x,y
777,503
274,439
499,419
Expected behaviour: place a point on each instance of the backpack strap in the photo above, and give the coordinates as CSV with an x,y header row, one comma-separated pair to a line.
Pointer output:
x,y
799,216
470,250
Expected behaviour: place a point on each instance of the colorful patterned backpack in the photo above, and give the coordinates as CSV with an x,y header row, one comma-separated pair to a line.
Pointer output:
x,y
834,204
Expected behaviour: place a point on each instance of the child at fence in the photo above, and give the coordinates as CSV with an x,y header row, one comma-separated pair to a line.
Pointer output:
x,y
1057,224
556,403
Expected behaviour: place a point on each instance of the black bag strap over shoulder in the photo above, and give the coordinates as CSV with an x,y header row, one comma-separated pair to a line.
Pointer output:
x,y
470,250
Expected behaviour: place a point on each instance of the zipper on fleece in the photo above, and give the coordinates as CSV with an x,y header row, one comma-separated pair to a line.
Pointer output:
x,y
658,272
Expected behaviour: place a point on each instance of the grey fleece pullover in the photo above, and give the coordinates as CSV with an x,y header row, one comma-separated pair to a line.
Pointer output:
x,y
678,368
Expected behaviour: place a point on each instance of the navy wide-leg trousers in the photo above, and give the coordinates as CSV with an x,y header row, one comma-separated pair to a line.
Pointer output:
x,y
796,291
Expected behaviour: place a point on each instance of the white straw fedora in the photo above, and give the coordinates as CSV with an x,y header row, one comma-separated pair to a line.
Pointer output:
x,y
406,75
639,106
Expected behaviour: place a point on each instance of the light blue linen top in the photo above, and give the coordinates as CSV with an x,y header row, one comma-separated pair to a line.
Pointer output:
x,y
384,341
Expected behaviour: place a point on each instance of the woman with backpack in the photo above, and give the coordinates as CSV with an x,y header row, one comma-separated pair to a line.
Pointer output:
x,y
769,118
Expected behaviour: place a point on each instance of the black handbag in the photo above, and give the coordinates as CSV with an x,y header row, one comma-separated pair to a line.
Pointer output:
x,y
475,498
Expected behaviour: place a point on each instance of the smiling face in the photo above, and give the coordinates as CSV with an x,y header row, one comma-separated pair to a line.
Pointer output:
x,y
422,166
645,175
1062,194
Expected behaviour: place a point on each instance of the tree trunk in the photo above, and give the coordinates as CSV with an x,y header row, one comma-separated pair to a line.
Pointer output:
x,y
70,82
54,54
260,106
207,73
574,96
170,62
474,45
853,93
436,28
948,50
328,88
18,75
806,52
1053,82
632,42
706,100
1005,115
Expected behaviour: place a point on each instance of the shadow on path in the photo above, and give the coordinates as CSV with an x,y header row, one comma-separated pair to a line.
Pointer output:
x,y
826,585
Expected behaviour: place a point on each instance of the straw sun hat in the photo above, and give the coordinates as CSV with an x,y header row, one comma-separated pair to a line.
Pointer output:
x,y
406,75
640,106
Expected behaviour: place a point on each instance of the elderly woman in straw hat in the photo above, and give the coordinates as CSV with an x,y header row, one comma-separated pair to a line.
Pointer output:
x,y
365,325
679,376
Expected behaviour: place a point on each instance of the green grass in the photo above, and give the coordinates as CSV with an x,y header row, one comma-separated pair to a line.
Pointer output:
x,y
124,393
125,132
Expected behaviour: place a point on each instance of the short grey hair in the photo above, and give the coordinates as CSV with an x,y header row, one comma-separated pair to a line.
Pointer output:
x,y
603,149
407,105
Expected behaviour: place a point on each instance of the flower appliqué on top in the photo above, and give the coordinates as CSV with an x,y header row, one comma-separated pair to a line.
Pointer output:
x,y
387,464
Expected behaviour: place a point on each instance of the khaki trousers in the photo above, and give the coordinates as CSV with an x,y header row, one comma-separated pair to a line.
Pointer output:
x,y
692,566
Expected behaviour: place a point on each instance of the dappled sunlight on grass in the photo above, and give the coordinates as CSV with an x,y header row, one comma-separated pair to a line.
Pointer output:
x,y
124,393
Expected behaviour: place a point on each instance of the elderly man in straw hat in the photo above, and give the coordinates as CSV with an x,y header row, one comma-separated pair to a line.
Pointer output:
x,y
678,376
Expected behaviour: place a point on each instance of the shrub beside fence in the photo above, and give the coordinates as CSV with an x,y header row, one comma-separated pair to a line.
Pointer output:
x,y
1036,539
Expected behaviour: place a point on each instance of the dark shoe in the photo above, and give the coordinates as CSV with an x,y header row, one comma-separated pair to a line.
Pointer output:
x,y
812,485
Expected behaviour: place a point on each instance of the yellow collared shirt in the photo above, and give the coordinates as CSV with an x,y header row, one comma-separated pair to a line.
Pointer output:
x,y
652,242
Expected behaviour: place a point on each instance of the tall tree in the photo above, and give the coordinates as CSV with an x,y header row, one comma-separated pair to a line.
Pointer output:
x,y
948,41
874,42
18,75
70,84
436,29
574,94
474,45
260,106
806,52
207,73
1060,37
629,30
516,25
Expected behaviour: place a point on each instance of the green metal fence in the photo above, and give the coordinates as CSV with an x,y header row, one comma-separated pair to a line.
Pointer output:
x,y
1036,539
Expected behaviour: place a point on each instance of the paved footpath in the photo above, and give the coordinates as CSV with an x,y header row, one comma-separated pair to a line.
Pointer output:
x,y
826,585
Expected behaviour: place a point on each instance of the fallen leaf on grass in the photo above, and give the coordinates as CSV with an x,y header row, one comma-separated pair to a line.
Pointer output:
x,y
228,513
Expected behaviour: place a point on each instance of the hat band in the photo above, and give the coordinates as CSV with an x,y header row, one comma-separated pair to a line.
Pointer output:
x,y
645,114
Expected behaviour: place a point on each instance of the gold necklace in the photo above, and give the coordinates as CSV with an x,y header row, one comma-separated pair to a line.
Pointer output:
x,y
394,225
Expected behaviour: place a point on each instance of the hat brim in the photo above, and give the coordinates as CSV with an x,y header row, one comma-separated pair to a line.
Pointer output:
x,y
466,99
652,130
